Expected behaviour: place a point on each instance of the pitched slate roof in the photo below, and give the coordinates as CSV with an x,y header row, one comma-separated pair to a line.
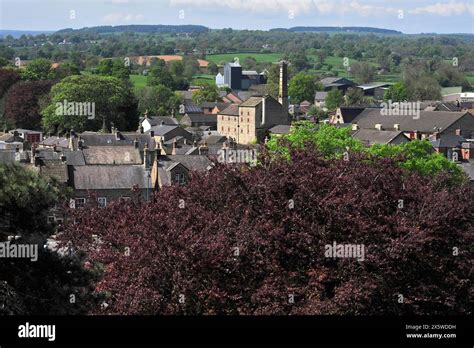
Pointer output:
x,y
374,136
125,139
213,139
9,156
231,110
112,155
108,177
161,129
428,121
58,141
157,120
207,118
349,113
320,95
252,102
197,163
54,168
447,141
211,105
190,107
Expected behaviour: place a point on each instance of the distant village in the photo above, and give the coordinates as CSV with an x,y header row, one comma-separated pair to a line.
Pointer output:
x,y
112,165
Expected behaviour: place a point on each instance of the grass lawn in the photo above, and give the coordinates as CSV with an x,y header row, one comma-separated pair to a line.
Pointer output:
x,y
138,81
470,77
259,57
203,79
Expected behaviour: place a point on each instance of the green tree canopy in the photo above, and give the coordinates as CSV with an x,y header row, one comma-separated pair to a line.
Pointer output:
x,y
158,100
416,155
107,95
207,93
396,93
302,87
113,67
334,99
38,69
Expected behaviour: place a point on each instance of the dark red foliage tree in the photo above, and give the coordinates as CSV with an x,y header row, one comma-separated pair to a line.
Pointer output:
x,y
7,78
22,103
252,241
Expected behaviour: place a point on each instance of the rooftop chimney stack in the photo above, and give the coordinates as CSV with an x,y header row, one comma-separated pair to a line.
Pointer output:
x,y
283,90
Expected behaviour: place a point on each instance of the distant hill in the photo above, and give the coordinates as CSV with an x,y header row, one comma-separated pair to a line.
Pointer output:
x,y
340,30
141,29
18,33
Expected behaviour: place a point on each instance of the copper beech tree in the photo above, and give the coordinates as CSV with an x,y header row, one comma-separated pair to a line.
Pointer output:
x,y
251,240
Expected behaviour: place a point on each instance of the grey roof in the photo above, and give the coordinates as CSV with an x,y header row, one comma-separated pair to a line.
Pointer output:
x,y
75,158
213,139
220,105
195,163
373,85
336,82
58,141
125,139
374,136
158,120
428,121
112,155
108,177
183,149
9,156
11,138
320,95
161,129
231,110
280,129
208,118
252,101
448,141
190,107
54,168
349,113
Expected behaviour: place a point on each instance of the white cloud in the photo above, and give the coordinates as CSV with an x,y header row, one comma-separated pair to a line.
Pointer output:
x,y
118,17
357,7
445,9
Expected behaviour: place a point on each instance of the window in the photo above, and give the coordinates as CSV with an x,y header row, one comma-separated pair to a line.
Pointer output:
x,y
59,221
248,120
102,202
80,202
50,219
179,178
248,113
222,128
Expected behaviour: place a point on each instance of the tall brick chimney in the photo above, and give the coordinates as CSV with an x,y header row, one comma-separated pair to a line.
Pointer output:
x,y
283,90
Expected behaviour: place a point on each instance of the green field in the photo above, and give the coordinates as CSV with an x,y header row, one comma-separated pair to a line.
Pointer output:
x,y
138,81
470,77
259,57
203,79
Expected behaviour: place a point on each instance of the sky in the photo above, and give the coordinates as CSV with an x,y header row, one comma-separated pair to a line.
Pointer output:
x,y
408,16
